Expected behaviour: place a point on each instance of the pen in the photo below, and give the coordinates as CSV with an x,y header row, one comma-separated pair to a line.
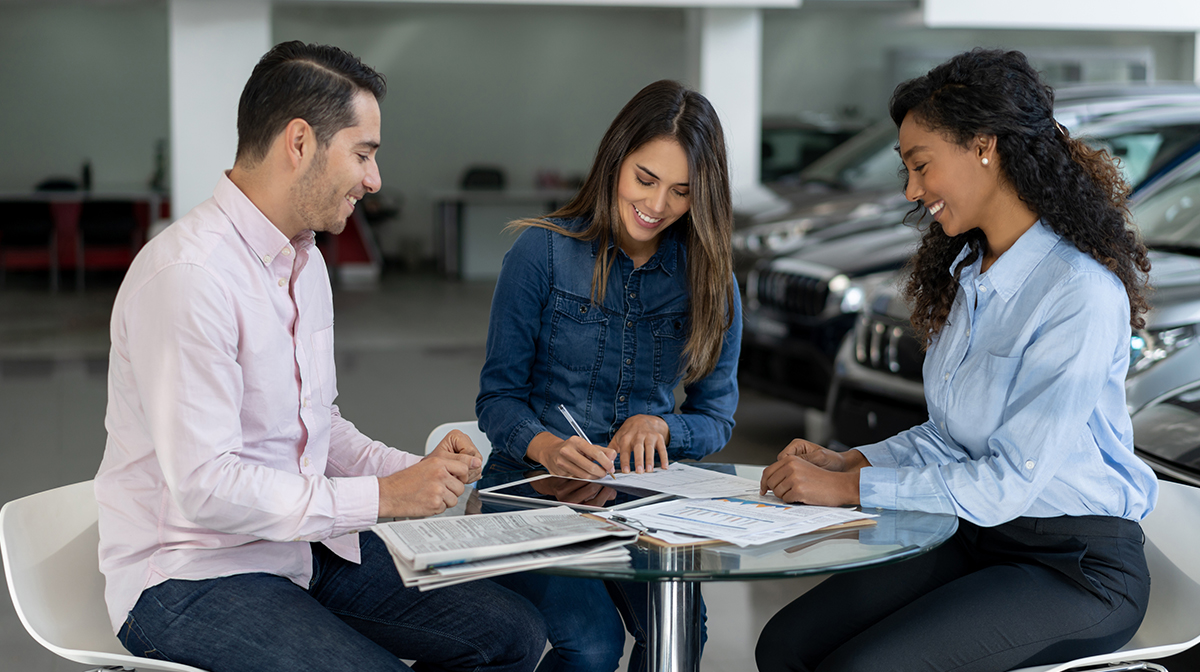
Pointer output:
x,y
578,430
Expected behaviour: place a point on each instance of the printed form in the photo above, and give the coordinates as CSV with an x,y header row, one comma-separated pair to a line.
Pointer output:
x,y
743,522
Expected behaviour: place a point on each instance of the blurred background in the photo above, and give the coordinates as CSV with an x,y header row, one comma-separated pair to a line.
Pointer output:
x,y
117,116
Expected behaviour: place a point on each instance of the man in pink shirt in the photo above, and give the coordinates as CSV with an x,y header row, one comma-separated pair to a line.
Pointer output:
x,y
232,491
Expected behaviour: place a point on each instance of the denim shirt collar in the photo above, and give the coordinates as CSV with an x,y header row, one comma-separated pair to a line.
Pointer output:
x,y
1010,271
666,256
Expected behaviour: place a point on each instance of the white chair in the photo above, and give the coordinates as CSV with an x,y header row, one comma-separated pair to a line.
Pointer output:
x,y
49,544
1172,623
470,428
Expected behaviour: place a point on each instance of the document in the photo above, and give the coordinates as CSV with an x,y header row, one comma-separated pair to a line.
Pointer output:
x,y
590,552
743,522
684,480
431,542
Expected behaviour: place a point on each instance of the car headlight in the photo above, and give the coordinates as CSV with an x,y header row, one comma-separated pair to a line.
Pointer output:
x,y
1148,346
855,293
777,238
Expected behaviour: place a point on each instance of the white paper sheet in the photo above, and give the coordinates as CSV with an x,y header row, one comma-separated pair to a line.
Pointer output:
x,y
742,522
685,480
452,539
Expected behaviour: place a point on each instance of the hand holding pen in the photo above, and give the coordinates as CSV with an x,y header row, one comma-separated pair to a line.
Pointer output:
x,y
579,432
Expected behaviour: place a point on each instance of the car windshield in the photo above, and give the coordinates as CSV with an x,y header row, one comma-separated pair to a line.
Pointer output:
x,y
787,150
866,161
1143,152
1170,217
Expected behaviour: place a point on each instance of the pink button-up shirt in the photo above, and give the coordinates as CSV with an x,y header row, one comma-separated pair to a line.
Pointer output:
x,y
226,454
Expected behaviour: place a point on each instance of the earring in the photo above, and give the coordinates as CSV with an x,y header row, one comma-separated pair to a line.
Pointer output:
x,y
985,161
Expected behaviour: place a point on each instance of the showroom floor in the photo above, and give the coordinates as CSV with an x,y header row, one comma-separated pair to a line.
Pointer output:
x,y
408,357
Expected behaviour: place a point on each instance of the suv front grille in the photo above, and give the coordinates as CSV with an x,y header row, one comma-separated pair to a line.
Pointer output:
x,y
796,294
888,344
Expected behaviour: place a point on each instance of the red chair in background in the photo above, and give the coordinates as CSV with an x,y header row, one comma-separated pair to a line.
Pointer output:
x,y
109,234
28,239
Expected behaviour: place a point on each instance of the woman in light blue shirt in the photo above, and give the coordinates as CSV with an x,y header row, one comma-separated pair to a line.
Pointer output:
x,y
1024,289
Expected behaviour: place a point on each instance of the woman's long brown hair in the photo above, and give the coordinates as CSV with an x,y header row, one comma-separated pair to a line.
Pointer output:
x,y
666,109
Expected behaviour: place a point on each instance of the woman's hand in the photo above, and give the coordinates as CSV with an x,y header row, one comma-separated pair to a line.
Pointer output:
x,y
795,479
639,439
570,457
824,458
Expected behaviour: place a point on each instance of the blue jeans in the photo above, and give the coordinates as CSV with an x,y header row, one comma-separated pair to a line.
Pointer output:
x,y
583,619
1033,591
351,618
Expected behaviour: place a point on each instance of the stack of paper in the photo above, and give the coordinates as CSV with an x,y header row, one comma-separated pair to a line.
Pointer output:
x,y
684,480
741,521
435,552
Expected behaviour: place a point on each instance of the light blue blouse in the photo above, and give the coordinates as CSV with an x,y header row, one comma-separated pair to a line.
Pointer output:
x,y
1026,395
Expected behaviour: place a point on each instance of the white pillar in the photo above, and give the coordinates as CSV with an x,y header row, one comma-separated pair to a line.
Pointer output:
x,y
725,65
214,46
1196,58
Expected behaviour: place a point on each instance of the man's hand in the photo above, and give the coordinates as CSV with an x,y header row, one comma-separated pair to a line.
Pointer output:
x,y
639,439
428,487
794,479
570,457
823,457
458,443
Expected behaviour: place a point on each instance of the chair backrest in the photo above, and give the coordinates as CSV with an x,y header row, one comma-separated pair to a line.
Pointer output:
x,y
470,428
49,543
1173,553
1172,622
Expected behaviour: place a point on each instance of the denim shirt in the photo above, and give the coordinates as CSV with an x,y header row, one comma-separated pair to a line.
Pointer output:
x,y
1025,385
548,344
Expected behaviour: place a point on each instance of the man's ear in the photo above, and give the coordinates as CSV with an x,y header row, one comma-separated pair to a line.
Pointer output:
x,y
299,142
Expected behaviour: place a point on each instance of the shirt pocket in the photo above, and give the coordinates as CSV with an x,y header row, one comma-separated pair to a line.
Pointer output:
x,y
670,336
1001,370
323,366
577,333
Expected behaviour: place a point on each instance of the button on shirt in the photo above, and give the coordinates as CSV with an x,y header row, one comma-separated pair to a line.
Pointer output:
x,y
549,344
1026,397
226,454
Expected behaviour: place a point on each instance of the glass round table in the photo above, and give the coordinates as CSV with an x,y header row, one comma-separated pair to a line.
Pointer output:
x,y
674,573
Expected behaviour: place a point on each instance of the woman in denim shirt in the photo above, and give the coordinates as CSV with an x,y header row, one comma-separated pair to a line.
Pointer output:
x,y
605,307
1025,290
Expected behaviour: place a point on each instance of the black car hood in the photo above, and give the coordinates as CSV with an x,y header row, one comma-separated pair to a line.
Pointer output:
x,y
865,253
829,204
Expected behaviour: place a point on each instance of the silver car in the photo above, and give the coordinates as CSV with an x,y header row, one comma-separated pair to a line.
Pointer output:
x,y
877,391
798,307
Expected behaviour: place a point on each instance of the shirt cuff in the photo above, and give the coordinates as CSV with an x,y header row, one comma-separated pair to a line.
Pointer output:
x,y
877,488
680,444
879,455
519,439
357,504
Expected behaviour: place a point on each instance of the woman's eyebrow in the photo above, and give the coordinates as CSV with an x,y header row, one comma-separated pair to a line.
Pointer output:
x,y
646,171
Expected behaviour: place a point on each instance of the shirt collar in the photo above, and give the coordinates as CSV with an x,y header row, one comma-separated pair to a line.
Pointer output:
x,y
666,256
263,237
1010,271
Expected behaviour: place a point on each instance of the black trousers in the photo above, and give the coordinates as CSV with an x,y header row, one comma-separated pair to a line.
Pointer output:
x,y
1033,591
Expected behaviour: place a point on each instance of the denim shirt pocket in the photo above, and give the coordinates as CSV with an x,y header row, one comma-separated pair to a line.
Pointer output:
x,y
670,335
577,333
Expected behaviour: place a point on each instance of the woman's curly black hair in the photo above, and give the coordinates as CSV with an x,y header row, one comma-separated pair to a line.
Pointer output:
x,y
1077,191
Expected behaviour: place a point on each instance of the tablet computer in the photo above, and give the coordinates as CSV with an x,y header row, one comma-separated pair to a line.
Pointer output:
x,y
548,490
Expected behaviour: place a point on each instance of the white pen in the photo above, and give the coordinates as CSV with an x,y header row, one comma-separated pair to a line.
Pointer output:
x,y
578,430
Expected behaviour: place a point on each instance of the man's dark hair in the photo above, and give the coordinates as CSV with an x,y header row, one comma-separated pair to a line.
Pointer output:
x,y
313,82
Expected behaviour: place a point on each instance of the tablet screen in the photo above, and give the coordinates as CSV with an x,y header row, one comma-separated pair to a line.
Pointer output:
x,y
552,490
